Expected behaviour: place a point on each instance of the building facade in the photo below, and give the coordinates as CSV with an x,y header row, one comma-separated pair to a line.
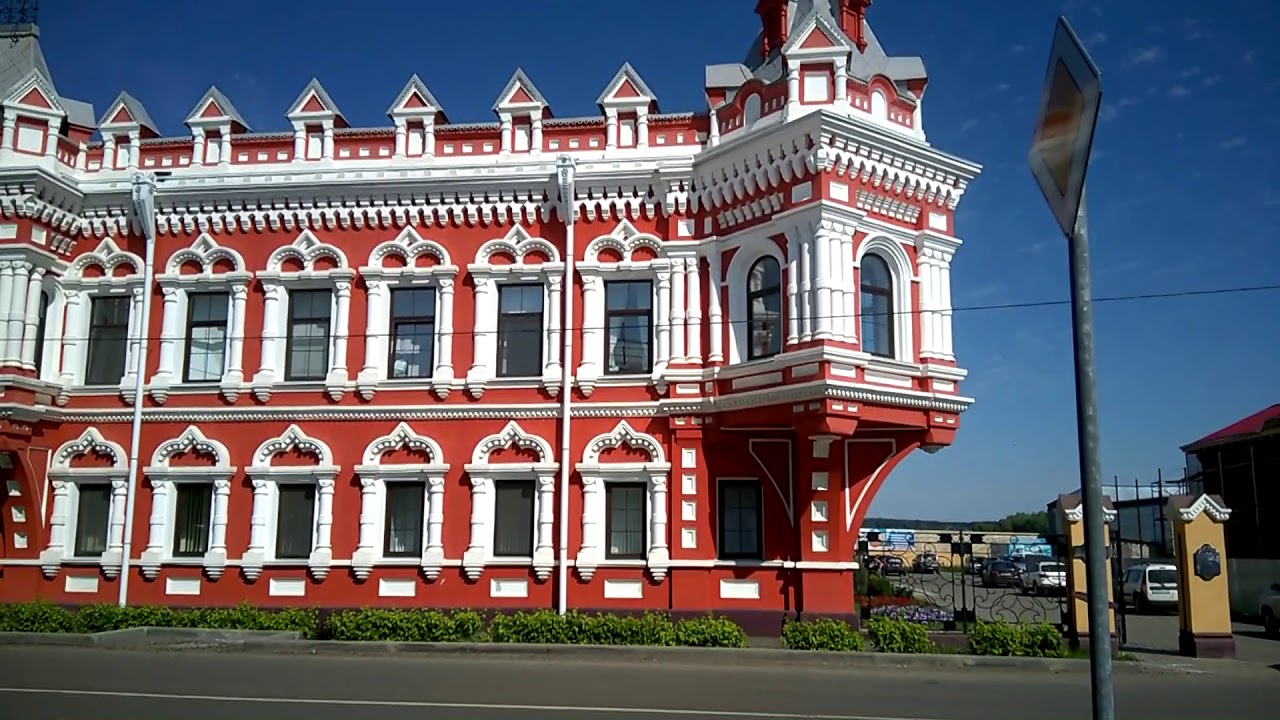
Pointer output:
x,y
358,339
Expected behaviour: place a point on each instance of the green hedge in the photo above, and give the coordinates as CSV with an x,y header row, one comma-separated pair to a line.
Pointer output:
x,y
823,634
45,617
899,636
1020,639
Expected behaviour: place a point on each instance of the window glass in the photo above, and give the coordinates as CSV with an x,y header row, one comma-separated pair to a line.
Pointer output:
x,y
193,504
877,306
740,520
405,502
307,356
108,340
513,518
764,309
413,328
295,523
625,520
93,515
520,330
206,336
629,318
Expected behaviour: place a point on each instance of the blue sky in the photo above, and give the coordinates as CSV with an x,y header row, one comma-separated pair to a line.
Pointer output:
x,y
1183,187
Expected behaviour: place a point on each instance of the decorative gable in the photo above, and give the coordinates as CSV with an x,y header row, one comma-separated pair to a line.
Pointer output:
x,y
817,36
124,115
520,94
35,99
314,103
627,89
415,100
213,109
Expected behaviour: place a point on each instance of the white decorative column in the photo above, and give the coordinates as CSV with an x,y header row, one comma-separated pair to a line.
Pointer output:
x,y
663,356
137,334
16,312
234,377
659,555
793,90
224,154
715,334
8,131
377,338
367,546
198,141
135,149
713,134
73,336
842,84
433,555
6,313
321,558
535,132
693,319
170,331
109,152
336,380
215,560
299,142
328,141
429,137
114,554
551,349
544,551
642,128
930,323
31,319
504,126
51,556
678,299
442,375
610,129
272,300
593,332
805,295
402,135
849,287
593,536
482,506
255,555
944,306
153,554
485,342
822,284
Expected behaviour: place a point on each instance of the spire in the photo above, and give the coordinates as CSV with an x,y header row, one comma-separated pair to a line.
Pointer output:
x,y
853,15
773,25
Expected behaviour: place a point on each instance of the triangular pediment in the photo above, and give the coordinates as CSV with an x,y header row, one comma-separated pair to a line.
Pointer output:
x,y
126,111
314,102
215,106
415,99
520,92
817,35
627,88
33,92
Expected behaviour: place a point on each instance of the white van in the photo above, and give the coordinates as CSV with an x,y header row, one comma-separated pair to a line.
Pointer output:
x,y
1150,586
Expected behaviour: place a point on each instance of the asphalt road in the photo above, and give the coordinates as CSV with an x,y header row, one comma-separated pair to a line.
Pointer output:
x,y
42,683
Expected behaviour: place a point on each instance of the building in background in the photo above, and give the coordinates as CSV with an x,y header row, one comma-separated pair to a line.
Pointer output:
x,y
354,376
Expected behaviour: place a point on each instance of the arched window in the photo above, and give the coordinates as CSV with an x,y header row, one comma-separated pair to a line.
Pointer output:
x,y
764,309
751,111
879,105
877,306
42,322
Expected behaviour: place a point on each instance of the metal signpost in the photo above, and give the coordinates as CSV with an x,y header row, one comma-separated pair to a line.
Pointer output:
x,y
1059,159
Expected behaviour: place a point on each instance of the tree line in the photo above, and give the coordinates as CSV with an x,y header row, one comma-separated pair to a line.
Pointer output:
x,y
1031,523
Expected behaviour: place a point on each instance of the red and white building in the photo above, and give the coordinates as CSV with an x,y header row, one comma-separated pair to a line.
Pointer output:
x,y
357,339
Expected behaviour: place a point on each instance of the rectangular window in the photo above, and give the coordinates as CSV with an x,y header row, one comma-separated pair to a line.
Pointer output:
x,y
513,518
624,520
307,349
520,330
193,508
629,318
817,86
30,139
626,132
404,518
123,151
523,137
206,336
739,522
315,144
416,140
108,340
295,521
93,515
413,332
212,149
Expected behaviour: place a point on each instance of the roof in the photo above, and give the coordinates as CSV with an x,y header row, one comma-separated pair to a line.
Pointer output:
x,y
20,54
224,104
626,73
314,87
415,85
1265,420
139,114
519,79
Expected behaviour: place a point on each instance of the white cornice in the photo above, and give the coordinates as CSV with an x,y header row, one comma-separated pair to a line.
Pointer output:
x,y
1204,504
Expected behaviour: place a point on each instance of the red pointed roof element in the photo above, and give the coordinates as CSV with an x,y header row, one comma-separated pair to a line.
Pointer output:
x,y
313,105
122,116
520,90
626,90
314,102
1266,420
853,16
414,101
212,110
35,98
817,39
519,95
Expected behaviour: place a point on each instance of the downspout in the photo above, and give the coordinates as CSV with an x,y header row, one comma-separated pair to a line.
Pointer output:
x,y
565,167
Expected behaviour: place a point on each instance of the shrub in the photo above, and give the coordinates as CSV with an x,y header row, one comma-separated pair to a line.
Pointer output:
x,y
821,634
710,631
899,636
1016,639
413,625
39,616
549,627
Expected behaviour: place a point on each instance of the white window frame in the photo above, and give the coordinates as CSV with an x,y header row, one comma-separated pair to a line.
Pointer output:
x,y
816,86
79,292
164,481
176,287
374,476
487,276
653,473
483,474
266,479
675,314
381,281
277,284
63,517
893,254
736,279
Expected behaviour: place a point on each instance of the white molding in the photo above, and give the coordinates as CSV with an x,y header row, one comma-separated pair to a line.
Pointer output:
x,y
374,475
164,477
65,481
487,276
381,281
1205,504
654,473
482,474
266,476
1076,514
277,284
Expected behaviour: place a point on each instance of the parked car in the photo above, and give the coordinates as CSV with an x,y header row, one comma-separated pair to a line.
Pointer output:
x,y
925,563
1151,586
1000,573
1270,610
888,565
974,566
1046,578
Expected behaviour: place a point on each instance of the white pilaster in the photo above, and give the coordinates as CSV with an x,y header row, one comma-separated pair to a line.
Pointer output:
x,y
822,266
272,298
805,298
442,378
31,319
678,299
198,141
610,129
402,134
552,347
663,355
693,321
328,142
593,331
8,133
715,335
849,288
234,377
16,312
486,340
170,331
336,380
535,132
6,313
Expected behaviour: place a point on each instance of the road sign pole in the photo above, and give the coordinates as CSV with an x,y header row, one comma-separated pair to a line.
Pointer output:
x,y
1095,522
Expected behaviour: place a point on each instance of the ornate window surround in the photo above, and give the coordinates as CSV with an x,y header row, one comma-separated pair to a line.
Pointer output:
x,y
66,496
176,286
164,477
487,275
381,281
374,476
736,280
891,251
483,474
276,285
595,475
266,477
666,303
79,292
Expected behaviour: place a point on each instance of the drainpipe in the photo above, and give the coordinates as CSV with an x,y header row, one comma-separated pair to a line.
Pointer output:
x,y
144,204
565,167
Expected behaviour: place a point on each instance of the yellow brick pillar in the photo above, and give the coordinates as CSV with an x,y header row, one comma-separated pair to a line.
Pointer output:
x,y
1199,551
1071,519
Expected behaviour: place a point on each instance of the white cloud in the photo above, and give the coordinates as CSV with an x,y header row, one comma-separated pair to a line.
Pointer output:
x,y
1212,80
1148,55
1248,56
1097,38
1178,91
969,124
1017,49
1233,143
1189,73
1003,87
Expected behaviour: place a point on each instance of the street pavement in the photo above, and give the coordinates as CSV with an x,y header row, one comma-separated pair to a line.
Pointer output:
x,y
42,683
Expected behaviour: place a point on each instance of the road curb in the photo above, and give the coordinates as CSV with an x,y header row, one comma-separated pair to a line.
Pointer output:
x,y
289,644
